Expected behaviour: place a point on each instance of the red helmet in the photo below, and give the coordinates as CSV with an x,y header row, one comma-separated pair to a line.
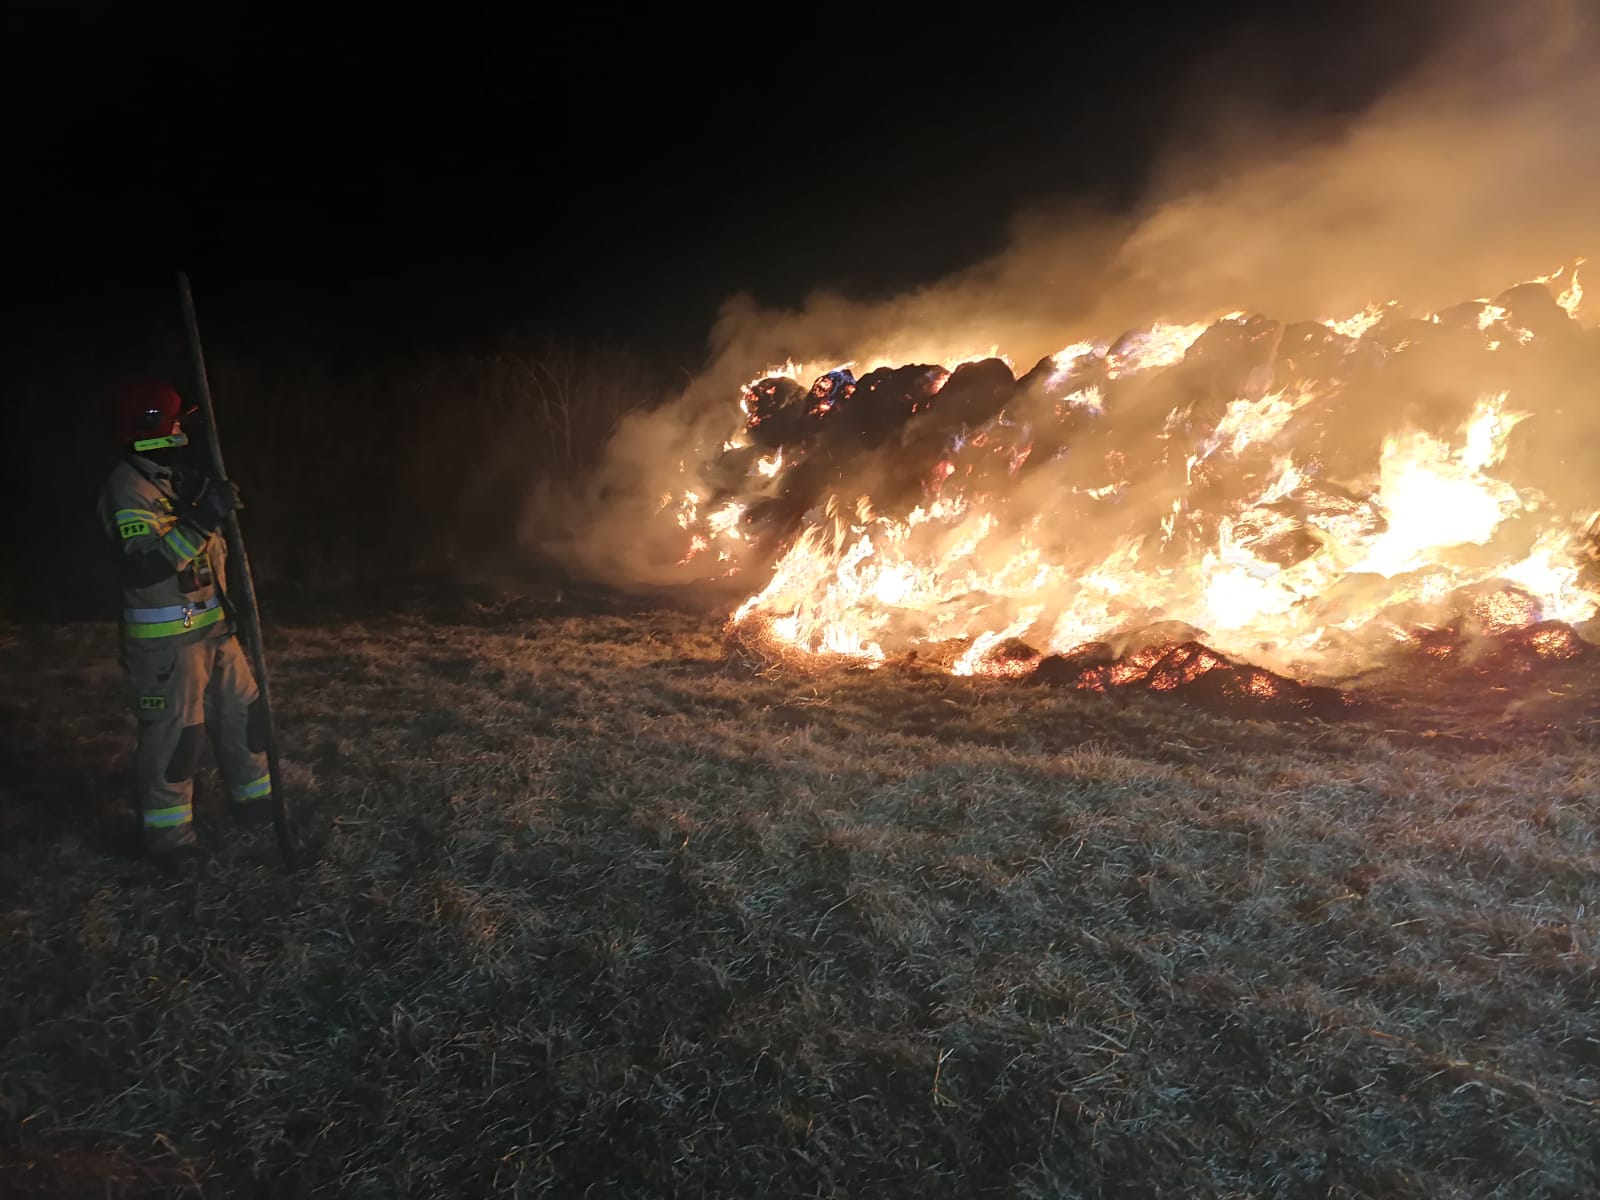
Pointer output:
x,y
146,415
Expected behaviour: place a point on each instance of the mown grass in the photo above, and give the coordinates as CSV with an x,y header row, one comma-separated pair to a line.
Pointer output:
x,y
600,906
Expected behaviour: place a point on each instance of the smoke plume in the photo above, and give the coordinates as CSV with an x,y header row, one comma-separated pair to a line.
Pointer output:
x,y
1474,173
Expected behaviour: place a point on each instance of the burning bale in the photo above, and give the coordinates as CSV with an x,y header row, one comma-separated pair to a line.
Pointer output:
x,y
1508,652
1169,659
1302,495
1195,674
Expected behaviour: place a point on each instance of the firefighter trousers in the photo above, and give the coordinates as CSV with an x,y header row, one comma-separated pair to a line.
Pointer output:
x,y
180,693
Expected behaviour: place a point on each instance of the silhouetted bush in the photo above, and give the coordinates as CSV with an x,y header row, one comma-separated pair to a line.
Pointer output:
x,y
355,467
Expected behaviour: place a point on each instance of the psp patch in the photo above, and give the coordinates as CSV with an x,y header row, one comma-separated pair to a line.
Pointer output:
x,y
152,703
133,529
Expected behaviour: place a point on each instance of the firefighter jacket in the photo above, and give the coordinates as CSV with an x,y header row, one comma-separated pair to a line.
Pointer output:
x,y
172,574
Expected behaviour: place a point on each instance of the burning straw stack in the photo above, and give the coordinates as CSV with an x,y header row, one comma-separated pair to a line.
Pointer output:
x,y
1248,454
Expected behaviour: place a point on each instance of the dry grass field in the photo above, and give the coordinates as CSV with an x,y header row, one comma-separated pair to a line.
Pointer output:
x,y
598,904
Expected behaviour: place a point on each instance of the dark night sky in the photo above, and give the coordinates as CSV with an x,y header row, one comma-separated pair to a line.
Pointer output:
x,y
408,171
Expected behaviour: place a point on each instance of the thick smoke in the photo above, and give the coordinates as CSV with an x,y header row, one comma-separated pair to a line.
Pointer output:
x,y
1476,173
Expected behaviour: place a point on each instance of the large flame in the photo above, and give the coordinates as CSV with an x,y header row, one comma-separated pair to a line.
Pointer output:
x,y
1251,480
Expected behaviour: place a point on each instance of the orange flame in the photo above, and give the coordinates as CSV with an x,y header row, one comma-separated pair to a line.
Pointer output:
x,y
1251,540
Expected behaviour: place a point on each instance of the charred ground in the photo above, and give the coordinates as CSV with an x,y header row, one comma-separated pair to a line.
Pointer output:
x,y
600,900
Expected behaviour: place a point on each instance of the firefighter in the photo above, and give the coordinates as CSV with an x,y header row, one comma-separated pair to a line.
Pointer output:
x,y
185,669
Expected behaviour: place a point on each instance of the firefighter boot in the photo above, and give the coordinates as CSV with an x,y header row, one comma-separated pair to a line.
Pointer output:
x,y
254,813
175,862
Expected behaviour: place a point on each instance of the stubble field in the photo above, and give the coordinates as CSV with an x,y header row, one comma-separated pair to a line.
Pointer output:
x,y
596,903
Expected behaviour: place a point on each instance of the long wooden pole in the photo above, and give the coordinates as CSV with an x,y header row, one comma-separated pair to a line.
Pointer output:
x,y
243,595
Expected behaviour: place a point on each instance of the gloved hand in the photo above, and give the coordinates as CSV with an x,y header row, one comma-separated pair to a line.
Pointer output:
x,y
212,506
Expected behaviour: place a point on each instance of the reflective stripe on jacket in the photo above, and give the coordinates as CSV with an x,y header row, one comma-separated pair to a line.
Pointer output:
x,y
172,619
172,574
